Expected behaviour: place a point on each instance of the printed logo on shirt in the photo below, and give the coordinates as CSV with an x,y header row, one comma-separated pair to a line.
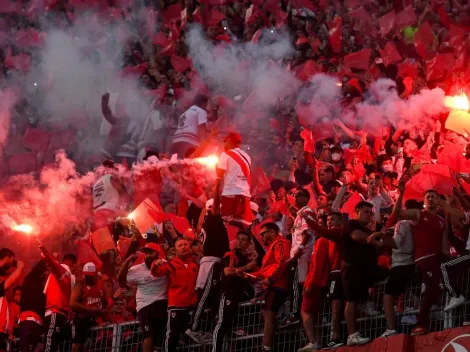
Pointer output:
x,y
173,314
228,302
429,273
146,328
57,329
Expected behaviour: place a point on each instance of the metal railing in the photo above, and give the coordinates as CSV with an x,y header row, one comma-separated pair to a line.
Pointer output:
x,y
247,331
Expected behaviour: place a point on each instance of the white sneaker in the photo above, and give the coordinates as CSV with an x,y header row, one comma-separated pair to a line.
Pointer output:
x,y
454,303
388,333
310,347
357,339
196,336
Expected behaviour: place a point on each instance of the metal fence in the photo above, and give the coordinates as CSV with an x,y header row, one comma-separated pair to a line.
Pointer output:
x,y
247,329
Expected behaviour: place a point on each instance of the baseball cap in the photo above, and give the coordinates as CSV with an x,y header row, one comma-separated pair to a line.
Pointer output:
x,y
234,137
151,247
89,269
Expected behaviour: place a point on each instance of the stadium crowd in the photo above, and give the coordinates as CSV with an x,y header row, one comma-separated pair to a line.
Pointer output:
x,y
343,203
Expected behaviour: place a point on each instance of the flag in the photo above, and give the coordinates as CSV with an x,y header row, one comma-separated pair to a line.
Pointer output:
x,y
87,255
456,35
425,36
123,245
387,22
20,62
22,163
145,215
160,39
36,139
335,34
451,156
360,14
180,64
350,204
390,54
215,17
171,13
405,18
306,70
359,60
261,181
232,232
431,176
102,240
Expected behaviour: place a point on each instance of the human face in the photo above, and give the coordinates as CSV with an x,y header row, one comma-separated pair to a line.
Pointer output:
x,y
431,200
333,221
322,202
373,187
365,215
301,199
182,248
345,177
267,235
243,242
119,306
17,296
324,176
409,146
150,257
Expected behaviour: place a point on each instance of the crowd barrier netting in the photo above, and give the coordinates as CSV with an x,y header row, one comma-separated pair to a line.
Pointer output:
x,y
247,331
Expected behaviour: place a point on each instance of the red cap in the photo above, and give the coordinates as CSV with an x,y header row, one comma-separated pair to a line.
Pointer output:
x,y
234,137
151,246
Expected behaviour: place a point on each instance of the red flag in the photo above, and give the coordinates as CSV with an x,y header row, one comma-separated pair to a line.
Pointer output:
x,y
123,246
425,35
135,71
405,18
390,54
335,34
279,207
281,18
172,13
432,176
456,35
350,204
351,4
160,39
451,155
36,139
180,64
304,4
307,136
387,22
359,60
24,38
360,14
7,6
145,215
102,240
180,223
257,36
437,67
22,163
261,181
408,68
306,70
215,17
168,50
232,232
87,255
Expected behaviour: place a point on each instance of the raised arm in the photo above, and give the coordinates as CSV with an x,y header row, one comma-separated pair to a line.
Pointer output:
x,y
14,276
123,271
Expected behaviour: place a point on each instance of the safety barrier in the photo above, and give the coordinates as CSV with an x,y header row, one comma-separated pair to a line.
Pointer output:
x,y
247,329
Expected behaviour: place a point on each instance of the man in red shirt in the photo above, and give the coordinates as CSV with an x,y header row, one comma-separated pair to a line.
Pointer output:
x,y
430,246
88,302
58,290
275,278
7,261
181,272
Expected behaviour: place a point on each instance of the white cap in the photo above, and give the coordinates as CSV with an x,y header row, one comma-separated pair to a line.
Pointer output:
x,y
90,269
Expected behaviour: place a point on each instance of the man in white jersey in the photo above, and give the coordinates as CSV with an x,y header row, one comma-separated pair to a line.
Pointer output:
x,y
109,196
191,128
234,170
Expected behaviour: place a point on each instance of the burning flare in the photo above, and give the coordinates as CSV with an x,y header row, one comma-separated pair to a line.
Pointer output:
x,y
209,161
458,102
23,228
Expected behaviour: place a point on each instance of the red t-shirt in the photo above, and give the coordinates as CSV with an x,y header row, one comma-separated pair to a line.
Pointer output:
x,y
319,269
427,235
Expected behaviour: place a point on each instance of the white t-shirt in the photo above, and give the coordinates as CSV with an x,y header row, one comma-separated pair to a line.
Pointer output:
x,y
188,124
235,182
105,196
149,288
300,225
403,236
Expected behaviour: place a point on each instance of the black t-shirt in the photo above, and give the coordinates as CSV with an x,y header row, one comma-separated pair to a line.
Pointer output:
x,y
2,289
214,237
234,284
357,254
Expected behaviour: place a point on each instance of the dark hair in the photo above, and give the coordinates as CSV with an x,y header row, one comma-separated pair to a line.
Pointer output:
x,y
335,213
413,204
329,168
6,253
431,191
342,171
271,226
276,184
181,238
244,233
304,191
150,153
361,205
70,257
108,163
17,288
200,99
